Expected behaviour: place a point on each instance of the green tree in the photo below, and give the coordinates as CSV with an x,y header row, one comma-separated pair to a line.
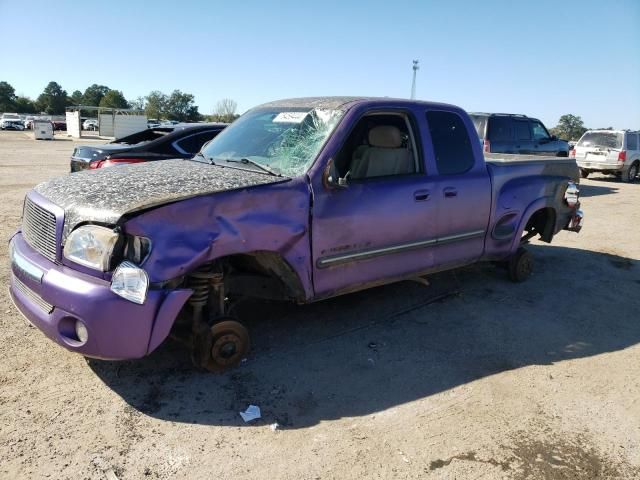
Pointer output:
x,y
181,107
156,105
76,98
93,94
114,99
25,105
53,99
7,97
570,127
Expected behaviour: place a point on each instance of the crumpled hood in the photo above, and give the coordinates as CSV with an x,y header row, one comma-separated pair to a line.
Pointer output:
x,y
106,194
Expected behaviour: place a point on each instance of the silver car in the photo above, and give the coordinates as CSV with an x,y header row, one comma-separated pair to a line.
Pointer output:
x,y
615,152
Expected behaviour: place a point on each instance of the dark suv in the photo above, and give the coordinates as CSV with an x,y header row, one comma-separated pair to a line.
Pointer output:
x,y
511,133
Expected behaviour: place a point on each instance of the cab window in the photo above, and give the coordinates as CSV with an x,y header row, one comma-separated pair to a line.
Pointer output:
x,y
539,132
451,143
380,145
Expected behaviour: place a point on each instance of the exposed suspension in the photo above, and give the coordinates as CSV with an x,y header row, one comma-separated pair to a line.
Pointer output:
x,y
207,284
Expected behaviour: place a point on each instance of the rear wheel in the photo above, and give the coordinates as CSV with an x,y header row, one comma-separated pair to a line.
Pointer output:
x,y
632,173
584,173
520,266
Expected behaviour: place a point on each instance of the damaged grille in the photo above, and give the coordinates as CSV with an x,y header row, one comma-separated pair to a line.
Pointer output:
x,y
39,229
33,296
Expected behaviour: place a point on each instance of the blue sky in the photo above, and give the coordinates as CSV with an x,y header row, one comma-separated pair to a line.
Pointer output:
x,y
542,58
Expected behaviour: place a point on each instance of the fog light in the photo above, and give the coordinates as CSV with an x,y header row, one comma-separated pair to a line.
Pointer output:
x,y
81,332
130,282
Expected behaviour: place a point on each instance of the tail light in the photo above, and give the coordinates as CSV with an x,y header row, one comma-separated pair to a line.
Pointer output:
x,y
487,146
94,165
622,156
572,153
572,194
114,162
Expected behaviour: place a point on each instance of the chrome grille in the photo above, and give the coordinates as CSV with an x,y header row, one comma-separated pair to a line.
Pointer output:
x,y
39,229
33,296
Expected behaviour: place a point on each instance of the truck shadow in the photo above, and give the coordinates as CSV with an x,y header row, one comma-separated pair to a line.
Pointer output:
x,y
596,190
368,352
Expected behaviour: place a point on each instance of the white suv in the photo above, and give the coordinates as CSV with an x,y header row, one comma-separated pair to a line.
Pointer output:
x,y
609,151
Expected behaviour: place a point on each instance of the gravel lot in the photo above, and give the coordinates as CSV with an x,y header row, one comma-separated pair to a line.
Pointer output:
x,y
537,380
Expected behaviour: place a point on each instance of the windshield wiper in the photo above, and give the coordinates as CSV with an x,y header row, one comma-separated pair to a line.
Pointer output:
x,y
248,161
208,159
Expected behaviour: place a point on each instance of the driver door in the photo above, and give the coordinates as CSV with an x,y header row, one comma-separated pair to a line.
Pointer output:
x,y
380,225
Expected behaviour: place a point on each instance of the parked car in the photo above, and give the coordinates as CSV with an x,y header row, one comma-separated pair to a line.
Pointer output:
x,y
28,122
180,141
511,133
11,125
10,116
59,124
90,124
153,123
615,152
300,200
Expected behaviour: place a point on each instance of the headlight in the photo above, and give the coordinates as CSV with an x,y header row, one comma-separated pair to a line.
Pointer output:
x,y
91,246
130,282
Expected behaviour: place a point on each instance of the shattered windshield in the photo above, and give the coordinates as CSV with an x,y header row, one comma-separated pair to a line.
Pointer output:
x,y
282,140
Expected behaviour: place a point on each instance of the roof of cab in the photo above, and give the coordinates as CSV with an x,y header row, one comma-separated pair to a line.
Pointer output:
x,y
331,103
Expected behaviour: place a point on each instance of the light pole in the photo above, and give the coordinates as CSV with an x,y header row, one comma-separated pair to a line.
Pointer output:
x,y
413,84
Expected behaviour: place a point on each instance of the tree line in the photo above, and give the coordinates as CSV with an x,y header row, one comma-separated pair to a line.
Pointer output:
x,y
571,128
53,100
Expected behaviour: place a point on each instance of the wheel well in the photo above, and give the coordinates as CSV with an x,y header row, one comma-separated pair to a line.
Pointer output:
x,y
542,223
262,274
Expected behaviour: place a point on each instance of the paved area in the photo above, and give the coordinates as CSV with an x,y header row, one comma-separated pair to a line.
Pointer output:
x,y
537,380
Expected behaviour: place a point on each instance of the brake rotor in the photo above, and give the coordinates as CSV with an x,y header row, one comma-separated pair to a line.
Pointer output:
x,y
229,345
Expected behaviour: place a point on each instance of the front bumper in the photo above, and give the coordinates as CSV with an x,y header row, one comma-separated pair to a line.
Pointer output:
x,y
53,297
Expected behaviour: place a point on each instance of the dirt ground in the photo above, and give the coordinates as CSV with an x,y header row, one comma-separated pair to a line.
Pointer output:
x,y
535,380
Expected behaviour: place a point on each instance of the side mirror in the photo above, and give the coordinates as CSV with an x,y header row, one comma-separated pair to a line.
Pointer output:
x,y
331,177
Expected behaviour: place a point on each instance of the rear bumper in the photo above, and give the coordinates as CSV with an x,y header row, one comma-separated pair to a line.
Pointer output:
x,y
54,297
601,166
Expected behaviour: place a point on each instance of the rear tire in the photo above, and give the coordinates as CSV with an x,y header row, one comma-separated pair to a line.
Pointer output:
x,y
520,266
632,173
584,173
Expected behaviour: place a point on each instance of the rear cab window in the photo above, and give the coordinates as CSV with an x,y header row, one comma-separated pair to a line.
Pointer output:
x,y
451,143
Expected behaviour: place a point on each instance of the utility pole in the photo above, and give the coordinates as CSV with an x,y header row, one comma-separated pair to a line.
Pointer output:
x,y
413,84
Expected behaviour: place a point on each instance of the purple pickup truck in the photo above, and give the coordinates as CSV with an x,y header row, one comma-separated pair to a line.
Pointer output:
x,y
299,200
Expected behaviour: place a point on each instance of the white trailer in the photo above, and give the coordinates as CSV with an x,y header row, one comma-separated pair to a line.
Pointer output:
x,y
42,130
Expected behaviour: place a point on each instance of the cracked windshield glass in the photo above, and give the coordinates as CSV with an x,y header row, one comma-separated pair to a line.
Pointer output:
x,y
283,141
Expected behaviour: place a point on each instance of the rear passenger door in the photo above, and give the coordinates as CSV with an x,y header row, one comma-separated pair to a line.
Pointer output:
x,y
462,187
522,133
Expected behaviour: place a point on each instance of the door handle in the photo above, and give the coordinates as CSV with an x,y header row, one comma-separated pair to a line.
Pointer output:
x,y
450,192
421,195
